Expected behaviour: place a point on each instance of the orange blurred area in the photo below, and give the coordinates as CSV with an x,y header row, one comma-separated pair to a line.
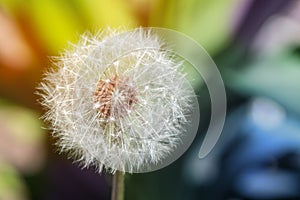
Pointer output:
x,y
15,52
18,62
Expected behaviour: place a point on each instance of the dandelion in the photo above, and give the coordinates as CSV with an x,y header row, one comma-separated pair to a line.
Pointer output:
x,y
117,100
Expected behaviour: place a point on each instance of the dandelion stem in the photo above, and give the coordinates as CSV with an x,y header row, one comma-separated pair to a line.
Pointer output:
x,y
118,186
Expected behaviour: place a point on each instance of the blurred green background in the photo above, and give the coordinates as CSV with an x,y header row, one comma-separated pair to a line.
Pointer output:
x,y
254,43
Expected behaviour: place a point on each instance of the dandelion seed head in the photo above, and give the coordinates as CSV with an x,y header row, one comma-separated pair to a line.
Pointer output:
x,y
117,101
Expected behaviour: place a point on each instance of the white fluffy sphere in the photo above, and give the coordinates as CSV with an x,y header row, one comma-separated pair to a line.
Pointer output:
x,y
117,100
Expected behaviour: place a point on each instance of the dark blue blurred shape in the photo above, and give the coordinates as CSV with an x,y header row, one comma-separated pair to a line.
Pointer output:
x,y
257,157
267,164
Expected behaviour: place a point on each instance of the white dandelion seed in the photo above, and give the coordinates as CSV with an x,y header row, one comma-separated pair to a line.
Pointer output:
x,y
117,101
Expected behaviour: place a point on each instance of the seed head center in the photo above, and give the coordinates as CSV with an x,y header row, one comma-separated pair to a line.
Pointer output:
x,y
114,97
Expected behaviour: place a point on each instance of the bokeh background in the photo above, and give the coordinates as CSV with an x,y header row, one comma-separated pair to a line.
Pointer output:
x,y
255,45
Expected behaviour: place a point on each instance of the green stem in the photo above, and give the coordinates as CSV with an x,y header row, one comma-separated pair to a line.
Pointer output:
x,y
118,186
